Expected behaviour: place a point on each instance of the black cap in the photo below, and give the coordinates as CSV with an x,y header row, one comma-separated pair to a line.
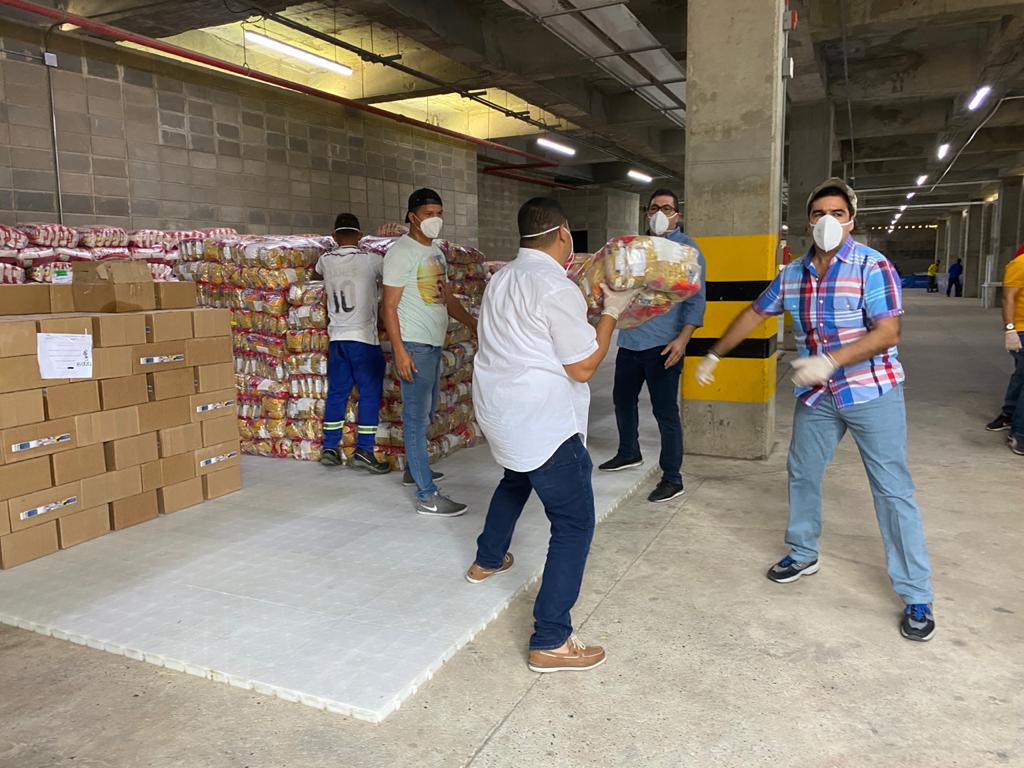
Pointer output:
x,y
423,196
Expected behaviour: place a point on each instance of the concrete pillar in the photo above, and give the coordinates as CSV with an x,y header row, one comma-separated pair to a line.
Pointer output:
x,y
954,231
942,242
733,203
810,162
973,253
1011,222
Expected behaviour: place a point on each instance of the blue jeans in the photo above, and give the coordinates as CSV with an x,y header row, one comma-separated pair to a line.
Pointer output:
x,y
879,428
563,485
632,370
1013,407
419,403
348,363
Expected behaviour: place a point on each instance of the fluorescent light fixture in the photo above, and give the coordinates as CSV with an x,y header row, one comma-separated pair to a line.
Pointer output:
x,y
554,146
979,96
638,176
896,217
910,195
67,26
296,53
921,179
943,151
903,208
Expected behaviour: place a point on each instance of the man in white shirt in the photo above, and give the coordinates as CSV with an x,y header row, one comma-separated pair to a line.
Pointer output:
x,y
530,393
352,281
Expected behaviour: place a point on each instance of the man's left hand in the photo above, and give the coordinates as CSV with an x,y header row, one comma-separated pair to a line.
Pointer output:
x,y
675,350
813,371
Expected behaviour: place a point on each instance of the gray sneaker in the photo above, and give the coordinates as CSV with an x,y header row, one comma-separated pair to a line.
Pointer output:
x,y
408,482
440,506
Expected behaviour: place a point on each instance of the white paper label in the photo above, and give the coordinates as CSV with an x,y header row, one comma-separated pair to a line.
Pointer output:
x,y
64,355
218,459
157,359
52,506
205,407
40,442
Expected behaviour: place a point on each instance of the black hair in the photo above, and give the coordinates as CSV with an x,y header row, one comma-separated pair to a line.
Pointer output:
x,y
830,192
664,193
346,220
536,215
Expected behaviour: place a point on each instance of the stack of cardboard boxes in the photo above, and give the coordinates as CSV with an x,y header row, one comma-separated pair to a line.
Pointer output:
x,y
152,432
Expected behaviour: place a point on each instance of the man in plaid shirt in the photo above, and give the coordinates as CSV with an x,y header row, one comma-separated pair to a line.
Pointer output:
x,y
846,304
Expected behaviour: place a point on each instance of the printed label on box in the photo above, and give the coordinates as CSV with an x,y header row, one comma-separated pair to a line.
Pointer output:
x,y
53,505
40,442
162,359
207,407
64,355
218,459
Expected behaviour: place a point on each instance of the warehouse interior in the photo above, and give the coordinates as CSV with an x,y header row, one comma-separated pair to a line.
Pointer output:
x,y
305,617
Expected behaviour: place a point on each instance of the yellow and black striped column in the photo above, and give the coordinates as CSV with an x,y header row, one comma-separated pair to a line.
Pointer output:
x,y
732,208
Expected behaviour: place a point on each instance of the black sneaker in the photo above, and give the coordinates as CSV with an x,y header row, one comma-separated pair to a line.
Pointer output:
x,y
440,506
999,423
408,482
666,492
918,623
617,463
788,570
365,460
1016,444
331,457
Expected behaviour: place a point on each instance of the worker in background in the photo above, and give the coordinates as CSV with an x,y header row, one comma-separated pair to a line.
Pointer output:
x,y
956,272
1012,415
846,305
652,354
352,282
417,305
933,277
530,394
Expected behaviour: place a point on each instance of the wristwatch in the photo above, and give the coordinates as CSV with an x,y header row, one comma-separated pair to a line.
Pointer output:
x,y
1010,327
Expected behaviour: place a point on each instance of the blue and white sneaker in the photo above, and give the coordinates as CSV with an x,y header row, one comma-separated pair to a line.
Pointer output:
x,y
788,570
918,622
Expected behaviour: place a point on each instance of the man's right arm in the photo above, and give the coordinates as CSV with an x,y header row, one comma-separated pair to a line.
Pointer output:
x,y
1009,303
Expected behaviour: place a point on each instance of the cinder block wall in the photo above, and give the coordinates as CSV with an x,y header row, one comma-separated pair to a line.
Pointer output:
x,y
604,213
500,200
146,142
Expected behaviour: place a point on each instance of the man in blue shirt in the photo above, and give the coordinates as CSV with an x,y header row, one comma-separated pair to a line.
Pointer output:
x,y
653,354
955,273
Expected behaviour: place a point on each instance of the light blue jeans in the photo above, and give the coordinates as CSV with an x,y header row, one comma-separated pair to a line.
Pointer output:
x,y
419,403
879,428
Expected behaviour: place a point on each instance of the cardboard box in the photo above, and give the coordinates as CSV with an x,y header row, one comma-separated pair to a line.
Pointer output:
x,y
161,414
169,325
18,408
161,356
123,392
180,295
103,426
42,439
111,362
167,384
216,376
80,324
118,330
83,526
113,286
62,298
131,451
17,338
5,522
26,299
133,510
25,477
71,399
209,351
179,439
222,482
111,486
173,498
78,464
223,429
211,322
20,373
217,457
152,475
31,544
42,506
212,405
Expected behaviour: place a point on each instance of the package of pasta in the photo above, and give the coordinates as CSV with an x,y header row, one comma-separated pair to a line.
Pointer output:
x,y
11,274
307,316
646,305
306,294
656,263
11,237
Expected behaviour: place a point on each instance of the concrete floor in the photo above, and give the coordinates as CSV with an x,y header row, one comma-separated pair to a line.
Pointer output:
x,y
710,664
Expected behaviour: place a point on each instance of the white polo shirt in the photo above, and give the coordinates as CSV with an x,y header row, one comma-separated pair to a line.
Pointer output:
x,y
533,322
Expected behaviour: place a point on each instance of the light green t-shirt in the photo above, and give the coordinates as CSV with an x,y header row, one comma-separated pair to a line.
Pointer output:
x,y
423,272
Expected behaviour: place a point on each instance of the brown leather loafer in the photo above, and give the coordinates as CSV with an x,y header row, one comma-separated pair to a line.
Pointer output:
x,y
578,658
477,573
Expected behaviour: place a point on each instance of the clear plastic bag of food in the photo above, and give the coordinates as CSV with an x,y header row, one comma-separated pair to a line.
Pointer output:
x,y
656,263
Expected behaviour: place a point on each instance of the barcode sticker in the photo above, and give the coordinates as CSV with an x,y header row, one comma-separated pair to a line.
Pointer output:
x,y
218,459
40,442
52,506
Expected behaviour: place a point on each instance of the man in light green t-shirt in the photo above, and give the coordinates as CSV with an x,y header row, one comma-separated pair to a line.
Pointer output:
x,y
417,305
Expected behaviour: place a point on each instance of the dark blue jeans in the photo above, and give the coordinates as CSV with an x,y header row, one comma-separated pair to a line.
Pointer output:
x,y
563,485
1013,407
632,371
348,363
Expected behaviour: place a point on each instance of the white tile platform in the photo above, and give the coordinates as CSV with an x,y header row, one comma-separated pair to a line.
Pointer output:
x,y
314,585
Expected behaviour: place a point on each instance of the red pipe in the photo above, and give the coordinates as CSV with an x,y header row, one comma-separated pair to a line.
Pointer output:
x,y
116,33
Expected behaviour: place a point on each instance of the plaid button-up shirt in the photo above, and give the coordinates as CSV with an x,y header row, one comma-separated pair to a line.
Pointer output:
x,y
860,288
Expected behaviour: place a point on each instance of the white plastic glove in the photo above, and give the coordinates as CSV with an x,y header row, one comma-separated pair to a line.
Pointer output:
x,y
706,368
1012,341
812,371
615,302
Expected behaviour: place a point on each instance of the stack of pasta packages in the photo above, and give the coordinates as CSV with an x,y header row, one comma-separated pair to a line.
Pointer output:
x,y
46,253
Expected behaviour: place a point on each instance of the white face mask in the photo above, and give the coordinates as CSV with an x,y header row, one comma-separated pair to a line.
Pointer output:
x,y
659,223
829,233
431,227
571,259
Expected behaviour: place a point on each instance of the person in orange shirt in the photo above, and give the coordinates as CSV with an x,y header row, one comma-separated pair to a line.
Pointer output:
x,y
1012,415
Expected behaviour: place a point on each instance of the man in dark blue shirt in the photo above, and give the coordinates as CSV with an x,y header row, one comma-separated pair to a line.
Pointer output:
x,y
955,273
653,354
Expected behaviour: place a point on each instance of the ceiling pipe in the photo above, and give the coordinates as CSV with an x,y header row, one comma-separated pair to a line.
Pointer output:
x,y
123,35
